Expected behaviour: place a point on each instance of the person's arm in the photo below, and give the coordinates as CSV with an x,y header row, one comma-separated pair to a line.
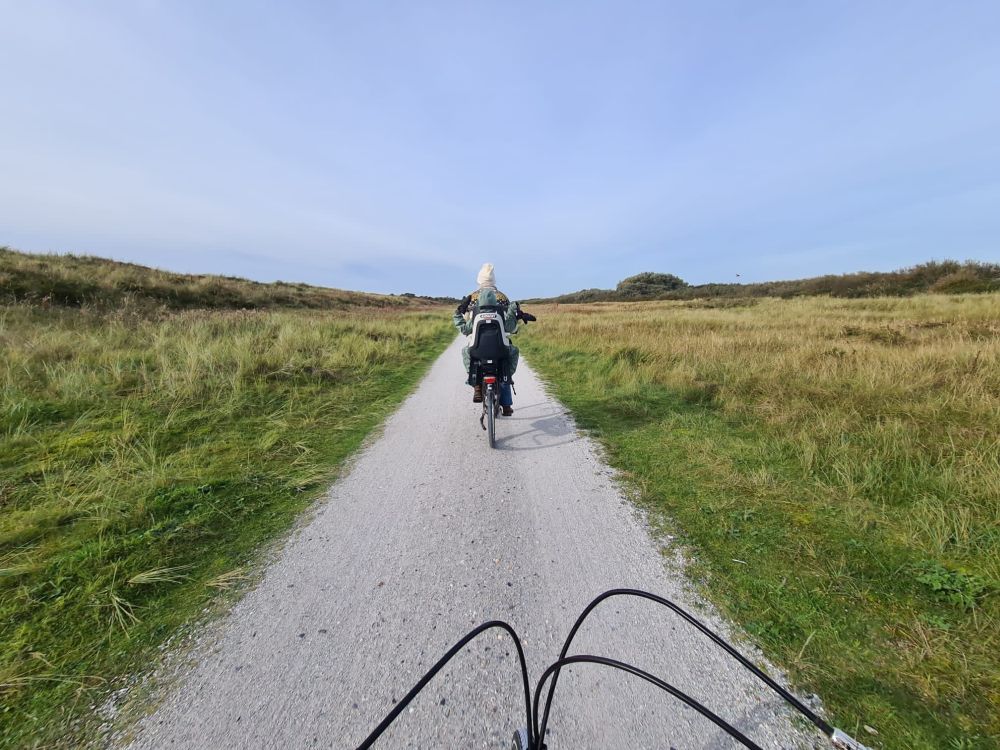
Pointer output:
x,y
458,319
510,317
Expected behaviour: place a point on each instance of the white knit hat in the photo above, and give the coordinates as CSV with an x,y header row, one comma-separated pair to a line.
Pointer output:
x,y
486,276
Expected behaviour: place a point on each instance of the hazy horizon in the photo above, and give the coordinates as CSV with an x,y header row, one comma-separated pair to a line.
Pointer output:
x,y
392,147
457,295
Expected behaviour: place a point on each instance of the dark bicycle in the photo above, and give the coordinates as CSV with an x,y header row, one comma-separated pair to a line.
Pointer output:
x,y
489,366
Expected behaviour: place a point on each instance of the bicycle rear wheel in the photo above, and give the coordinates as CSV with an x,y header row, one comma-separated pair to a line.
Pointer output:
x,y
489,404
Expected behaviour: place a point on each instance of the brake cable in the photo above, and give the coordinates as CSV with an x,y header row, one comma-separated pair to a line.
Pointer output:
x,y
471,635
823,726
663,685
536,731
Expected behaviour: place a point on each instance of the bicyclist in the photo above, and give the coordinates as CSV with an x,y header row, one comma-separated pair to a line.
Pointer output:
x,y
487,295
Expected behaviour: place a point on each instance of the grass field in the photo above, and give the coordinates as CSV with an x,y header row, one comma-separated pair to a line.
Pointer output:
x,y
144,456
833,466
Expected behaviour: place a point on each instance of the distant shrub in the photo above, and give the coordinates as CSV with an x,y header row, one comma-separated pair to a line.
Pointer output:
x,y
649,285
586,295
963,281
945,277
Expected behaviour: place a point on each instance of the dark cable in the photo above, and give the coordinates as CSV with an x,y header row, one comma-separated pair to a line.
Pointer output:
x,y
398,709
804,710
536,731
680,695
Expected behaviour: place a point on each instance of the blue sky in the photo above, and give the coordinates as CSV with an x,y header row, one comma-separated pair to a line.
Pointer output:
x,y
395,146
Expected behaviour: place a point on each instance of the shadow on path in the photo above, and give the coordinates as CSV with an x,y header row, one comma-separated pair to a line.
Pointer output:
x,y
540,432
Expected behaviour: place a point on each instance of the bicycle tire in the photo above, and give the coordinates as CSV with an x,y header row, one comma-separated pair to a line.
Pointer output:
x,y
489,404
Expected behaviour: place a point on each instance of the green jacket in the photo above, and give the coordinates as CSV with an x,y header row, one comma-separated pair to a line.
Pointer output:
x,y
487,297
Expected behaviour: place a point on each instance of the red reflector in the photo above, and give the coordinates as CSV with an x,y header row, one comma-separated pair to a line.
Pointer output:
x,y
489,379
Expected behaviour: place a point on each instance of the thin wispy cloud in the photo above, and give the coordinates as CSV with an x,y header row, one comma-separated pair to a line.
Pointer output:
x,y
396,146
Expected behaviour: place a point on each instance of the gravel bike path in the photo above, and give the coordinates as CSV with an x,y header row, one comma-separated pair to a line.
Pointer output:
x,y
428,534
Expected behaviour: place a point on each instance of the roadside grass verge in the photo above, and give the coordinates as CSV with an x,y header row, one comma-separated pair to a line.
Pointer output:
x,y
834,467
143,460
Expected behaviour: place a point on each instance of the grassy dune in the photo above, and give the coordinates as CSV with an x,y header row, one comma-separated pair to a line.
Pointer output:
x,y
835,467
936,277
145,456
75,281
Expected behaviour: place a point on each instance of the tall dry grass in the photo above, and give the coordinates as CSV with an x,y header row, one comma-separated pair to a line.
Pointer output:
x,y
848,452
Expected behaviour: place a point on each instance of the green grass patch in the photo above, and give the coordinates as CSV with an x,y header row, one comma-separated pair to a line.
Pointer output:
x,y
840,492
143,461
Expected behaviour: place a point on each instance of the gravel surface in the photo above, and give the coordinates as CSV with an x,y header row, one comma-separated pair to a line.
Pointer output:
x,y
429,534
